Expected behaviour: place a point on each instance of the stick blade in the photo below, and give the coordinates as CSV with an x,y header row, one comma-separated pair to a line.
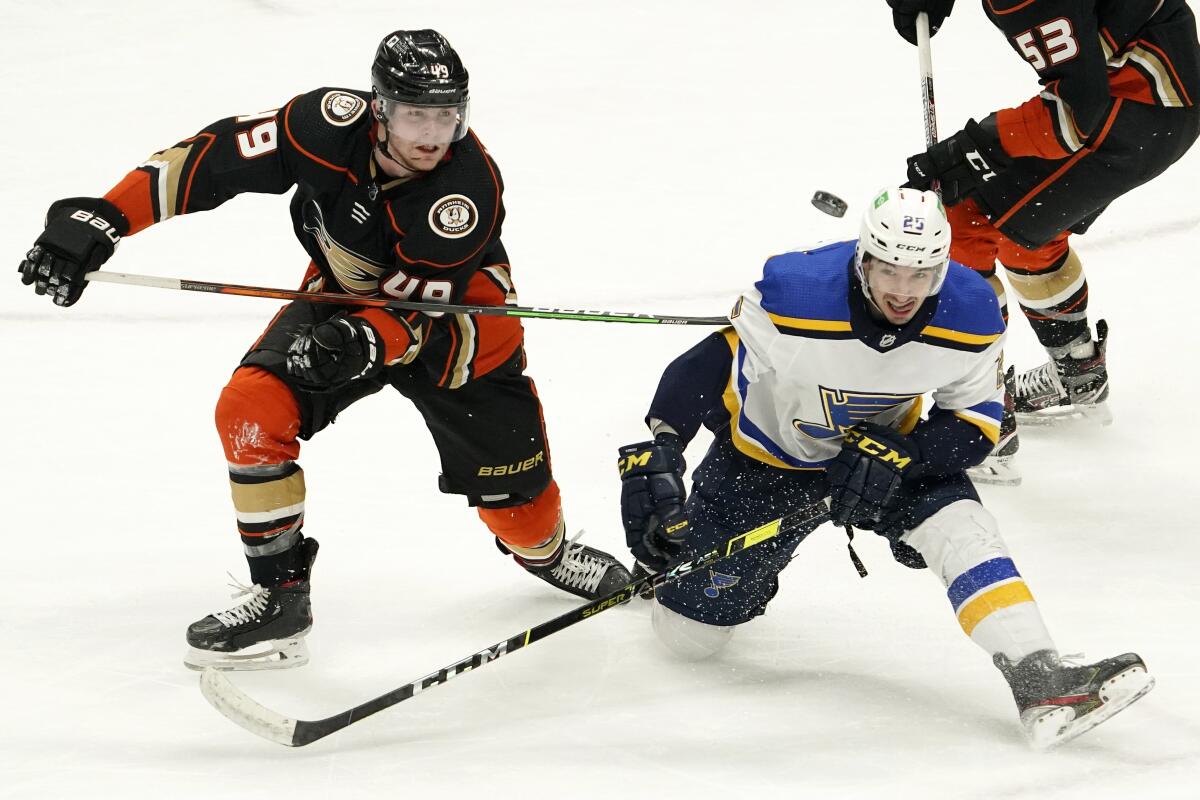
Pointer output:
x,y
236,706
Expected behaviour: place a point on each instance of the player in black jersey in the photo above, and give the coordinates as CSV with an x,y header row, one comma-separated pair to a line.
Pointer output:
x,y
1117,106
395,196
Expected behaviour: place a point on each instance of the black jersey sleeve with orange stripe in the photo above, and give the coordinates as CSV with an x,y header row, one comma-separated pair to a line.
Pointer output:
x,y
1088,54
230,156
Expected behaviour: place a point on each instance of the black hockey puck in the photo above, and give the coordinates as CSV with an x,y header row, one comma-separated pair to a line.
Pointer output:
x,y
831,204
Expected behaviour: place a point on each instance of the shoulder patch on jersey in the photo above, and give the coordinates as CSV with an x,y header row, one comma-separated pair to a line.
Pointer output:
x,y
341,108
453,216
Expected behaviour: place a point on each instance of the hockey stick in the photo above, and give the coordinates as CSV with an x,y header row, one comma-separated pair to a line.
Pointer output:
x,y
261,721
925,59
537,312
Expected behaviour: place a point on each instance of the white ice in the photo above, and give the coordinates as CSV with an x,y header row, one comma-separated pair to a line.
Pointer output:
x,y
655,153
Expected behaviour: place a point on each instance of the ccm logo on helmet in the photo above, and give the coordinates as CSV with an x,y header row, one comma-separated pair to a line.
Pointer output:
x,y
911,247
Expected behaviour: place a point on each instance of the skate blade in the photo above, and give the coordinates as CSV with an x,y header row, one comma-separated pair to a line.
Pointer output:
x,y
1099,414
997,471
279,654
1118,693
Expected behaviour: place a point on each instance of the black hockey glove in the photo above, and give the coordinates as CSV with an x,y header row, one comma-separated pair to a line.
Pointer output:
x,y
963,163
652,499
904,15
340,349
81,234
866,473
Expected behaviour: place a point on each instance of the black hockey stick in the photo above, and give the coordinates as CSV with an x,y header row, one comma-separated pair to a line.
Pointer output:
x,y
237,706
538,312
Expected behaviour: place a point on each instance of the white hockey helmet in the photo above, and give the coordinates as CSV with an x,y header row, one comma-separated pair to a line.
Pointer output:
x,y
908,228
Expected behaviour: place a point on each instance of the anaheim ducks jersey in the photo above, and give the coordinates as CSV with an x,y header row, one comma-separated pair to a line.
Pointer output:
x,y
809,361
433,238
1087,54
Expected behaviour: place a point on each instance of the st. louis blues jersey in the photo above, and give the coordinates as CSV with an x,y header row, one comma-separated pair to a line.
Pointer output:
x,y
804,361
805,369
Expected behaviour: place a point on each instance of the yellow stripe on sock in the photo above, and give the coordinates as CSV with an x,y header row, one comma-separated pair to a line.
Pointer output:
x,y
1010,594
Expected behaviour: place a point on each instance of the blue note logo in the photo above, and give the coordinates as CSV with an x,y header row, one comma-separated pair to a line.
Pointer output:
x,y
843,410
720,581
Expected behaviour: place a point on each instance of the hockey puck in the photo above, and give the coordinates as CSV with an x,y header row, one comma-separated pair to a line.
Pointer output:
x,y
831,204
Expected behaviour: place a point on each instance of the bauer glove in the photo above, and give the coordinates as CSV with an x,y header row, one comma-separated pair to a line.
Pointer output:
x,y
652,499
867,472
332,353
81,234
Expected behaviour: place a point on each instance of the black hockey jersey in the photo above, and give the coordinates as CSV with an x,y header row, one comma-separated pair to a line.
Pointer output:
x,y
1087,54
434,237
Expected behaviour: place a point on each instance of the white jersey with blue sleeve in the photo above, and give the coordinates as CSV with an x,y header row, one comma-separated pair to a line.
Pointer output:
x,y
809,362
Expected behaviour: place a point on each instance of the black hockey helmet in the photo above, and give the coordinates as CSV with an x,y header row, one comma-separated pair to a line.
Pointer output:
x,y
419,68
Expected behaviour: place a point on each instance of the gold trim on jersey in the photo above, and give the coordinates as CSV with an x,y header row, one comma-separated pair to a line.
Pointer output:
x,y
168,170
1165,90
809,324
959,336
732,402
985,423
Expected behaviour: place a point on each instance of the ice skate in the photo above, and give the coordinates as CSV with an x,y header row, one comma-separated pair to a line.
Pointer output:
x,y
582,570
1071,385
1059,701
998,468
264,631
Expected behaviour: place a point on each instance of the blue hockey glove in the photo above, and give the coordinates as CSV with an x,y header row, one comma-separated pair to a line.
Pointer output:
x,y
963,163
652,499
866,474
81,234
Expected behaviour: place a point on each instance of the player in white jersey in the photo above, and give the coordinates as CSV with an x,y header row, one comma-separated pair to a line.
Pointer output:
x,y
816,391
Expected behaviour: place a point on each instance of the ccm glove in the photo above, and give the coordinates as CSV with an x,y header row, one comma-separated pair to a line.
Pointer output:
x,y
963,163
904,15
339,350
81,234
865,475
652,499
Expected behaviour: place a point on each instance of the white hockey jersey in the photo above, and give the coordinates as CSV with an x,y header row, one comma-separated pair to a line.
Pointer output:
x,y
809,361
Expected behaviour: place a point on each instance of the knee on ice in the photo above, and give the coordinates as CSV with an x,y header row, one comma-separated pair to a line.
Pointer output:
x,y
957,538
687,638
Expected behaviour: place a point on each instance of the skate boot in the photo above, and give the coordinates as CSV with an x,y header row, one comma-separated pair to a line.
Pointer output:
x,y
1059,701
1074,383
580,570
997,469
265,631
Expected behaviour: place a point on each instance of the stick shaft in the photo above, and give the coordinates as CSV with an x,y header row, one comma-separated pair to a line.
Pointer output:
x,y
925,58
257,719
531,312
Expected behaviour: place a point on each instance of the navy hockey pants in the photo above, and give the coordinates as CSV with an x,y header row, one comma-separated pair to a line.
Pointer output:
x,y
733,493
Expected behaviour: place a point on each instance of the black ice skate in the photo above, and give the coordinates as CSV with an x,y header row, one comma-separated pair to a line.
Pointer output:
x,y
582,570
1059,701
265,631
1066,387
998,468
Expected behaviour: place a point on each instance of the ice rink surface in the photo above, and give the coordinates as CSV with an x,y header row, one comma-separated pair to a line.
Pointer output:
x,y
655,154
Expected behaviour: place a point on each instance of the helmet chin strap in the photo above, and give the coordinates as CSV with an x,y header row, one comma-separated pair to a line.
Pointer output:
x,y
382,146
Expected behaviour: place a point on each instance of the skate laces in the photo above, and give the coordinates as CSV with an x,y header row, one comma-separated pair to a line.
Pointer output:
x,y
1038,381
249,609
578,567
